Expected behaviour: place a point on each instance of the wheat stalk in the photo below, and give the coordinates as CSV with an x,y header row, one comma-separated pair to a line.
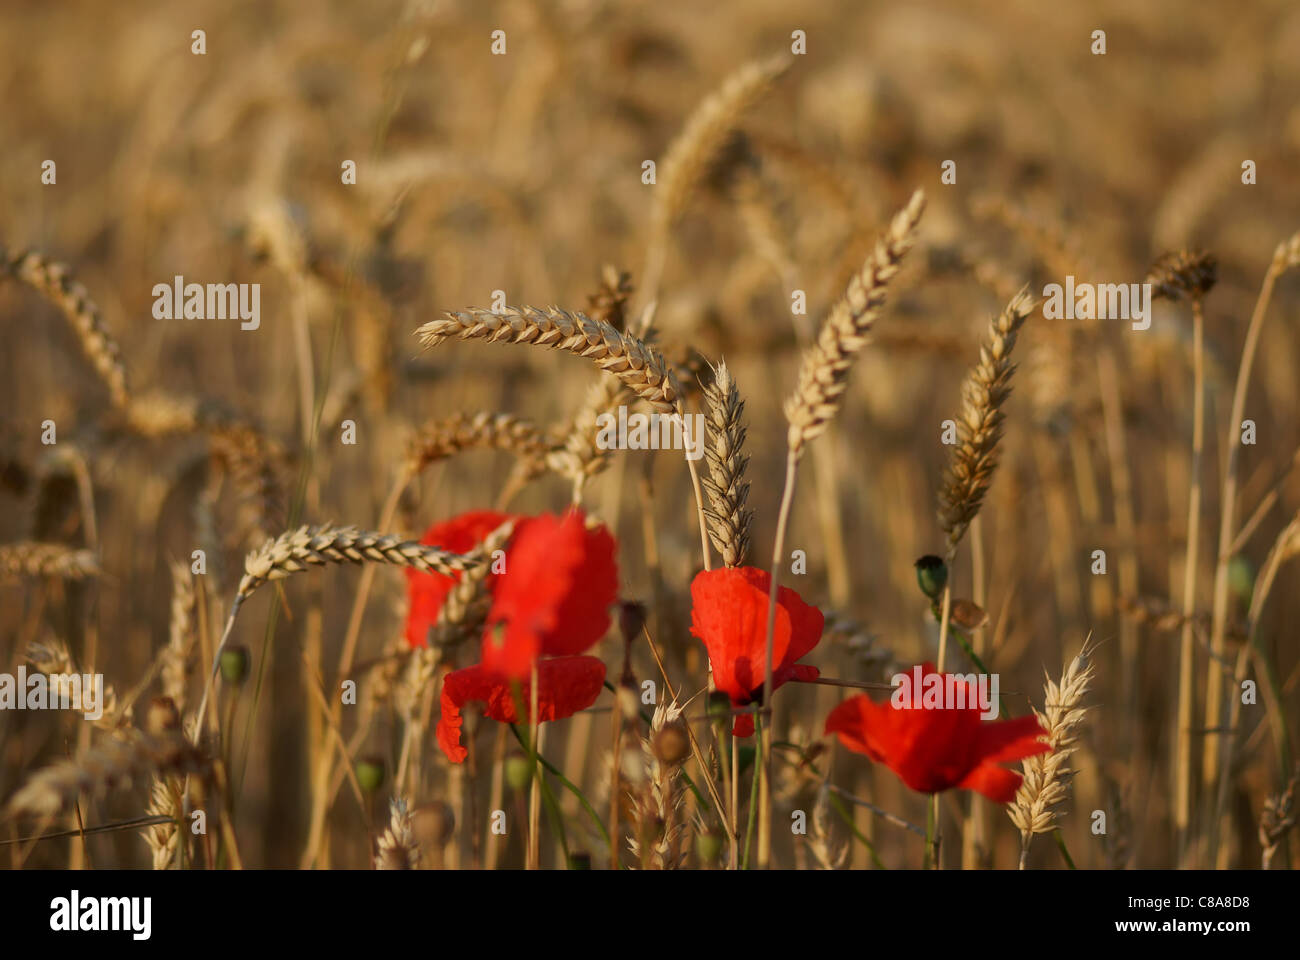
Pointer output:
x,y
55,282
29,559
1047,775
823,376
729,517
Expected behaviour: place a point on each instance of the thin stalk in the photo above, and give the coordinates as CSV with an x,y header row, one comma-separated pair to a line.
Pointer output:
x,y
764,759
1187,651
1214,689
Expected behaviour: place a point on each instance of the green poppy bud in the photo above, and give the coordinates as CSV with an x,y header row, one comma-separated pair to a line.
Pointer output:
x,y
931,575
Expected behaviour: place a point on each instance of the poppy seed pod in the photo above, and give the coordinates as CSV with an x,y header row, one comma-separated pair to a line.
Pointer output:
x,y
234,665
931,575
370,773
631,619
519,771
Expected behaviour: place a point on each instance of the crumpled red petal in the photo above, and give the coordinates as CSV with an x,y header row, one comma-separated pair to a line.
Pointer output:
x,y
729,613
566,684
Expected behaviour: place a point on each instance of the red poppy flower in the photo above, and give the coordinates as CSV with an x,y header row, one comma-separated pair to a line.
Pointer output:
x,y
427,591
567,685
729,613
937,749
554,598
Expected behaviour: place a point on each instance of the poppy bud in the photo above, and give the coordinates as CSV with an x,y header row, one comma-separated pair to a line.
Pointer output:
x,y
931,575
671,743
519,771
234,665
708,846
631,619
719,706
579,861
433,824
370,773
162,716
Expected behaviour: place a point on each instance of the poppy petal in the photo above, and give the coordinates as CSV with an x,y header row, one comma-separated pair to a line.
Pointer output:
x,y
566,685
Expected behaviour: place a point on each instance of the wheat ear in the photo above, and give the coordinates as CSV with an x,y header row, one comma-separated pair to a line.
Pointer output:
x,y
694,149
979,428
824,374
28,559
55,282
1047,775
728,492
637,364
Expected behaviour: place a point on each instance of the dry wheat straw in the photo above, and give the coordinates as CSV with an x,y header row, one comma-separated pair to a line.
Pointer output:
x,y
1047,775
640,366
823,376
1285,256
55,282
1188,275
728,492
27,559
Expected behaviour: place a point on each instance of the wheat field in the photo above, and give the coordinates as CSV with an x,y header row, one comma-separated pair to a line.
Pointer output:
x,y
369,584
